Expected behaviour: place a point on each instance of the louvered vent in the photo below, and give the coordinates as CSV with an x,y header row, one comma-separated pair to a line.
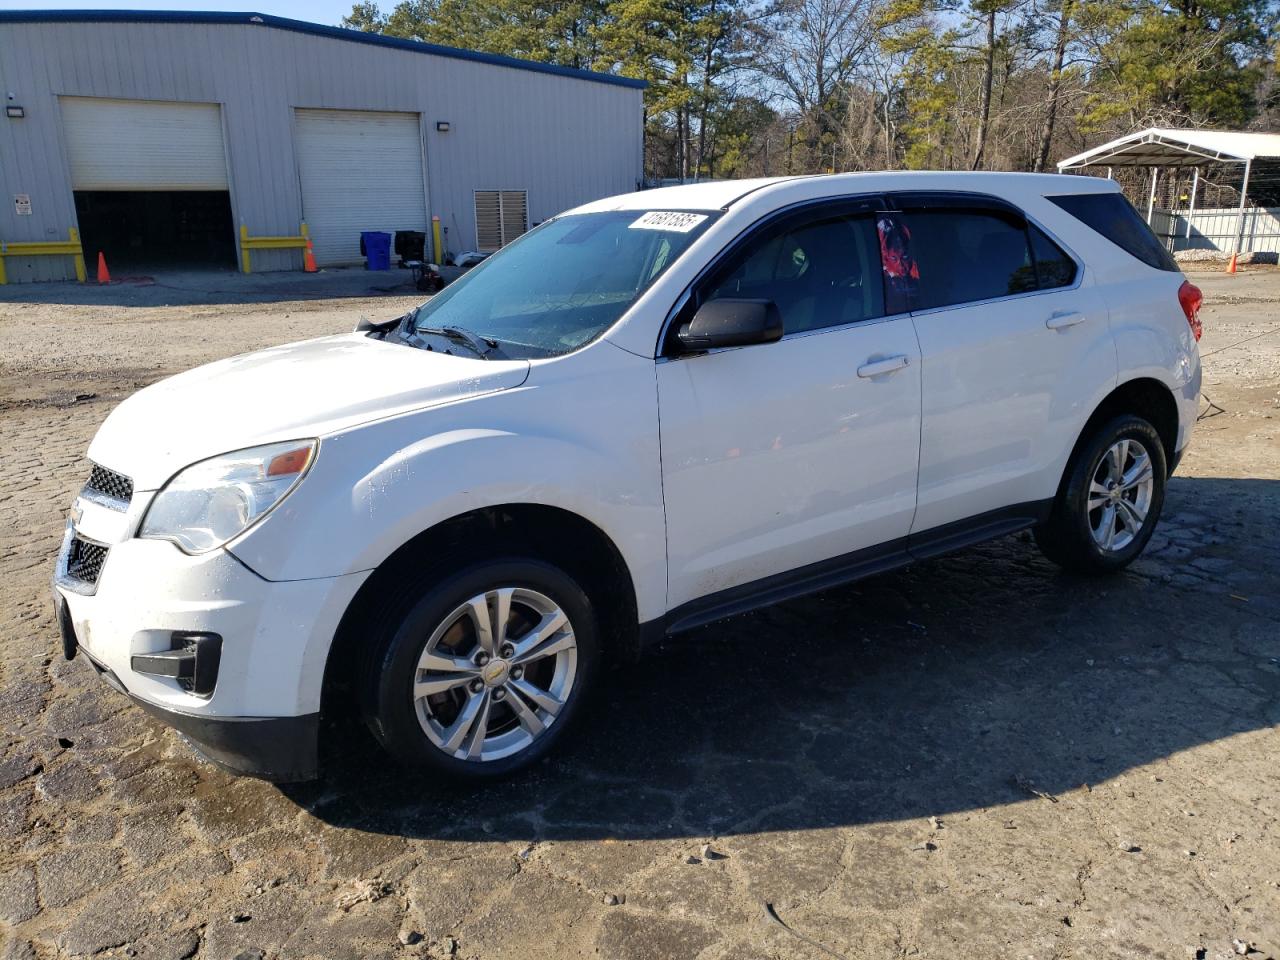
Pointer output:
x,y
501,216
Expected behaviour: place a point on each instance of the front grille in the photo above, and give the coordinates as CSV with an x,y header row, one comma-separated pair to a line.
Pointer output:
x,y
108,483
85,559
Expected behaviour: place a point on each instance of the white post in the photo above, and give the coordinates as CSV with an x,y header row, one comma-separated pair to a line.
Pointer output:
x,y
1195,182
1108,173
1151,202
1244,193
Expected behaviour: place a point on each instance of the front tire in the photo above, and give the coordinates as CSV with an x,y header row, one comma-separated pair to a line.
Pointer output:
x,y
480,674
1111,499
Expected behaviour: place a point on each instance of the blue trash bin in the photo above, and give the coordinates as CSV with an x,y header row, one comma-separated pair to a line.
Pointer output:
x,y
377,249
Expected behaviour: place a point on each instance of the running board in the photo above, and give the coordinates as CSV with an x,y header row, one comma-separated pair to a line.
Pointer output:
x,y
851,567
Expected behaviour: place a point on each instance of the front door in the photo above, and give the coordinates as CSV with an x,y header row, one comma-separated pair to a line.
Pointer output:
x,y
782,455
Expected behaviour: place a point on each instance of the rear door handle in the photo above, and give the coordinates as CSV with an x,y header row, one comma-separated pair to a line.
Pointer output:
x,y
1064,319
888,365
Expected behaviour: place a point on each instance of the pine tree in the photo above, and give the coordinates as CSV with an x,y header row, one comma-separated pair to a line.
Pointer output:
x,y
1175,63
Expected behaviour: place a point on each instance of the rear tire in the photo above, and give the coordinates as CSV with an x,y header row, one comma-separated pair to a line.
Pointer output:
x,y
1110,500
480,674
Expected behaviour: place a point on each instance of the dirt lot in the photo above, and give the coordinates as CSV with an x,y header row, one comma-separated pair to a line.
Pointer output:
x,y
975,757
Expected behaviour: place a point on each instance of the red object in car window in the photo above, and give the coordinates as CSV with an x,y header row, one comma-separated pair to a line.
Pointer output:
x,y
901,275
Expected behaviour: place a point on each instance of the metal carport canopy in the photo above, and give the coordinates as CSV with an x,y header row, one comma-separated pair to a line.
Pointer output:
x,y
1159,147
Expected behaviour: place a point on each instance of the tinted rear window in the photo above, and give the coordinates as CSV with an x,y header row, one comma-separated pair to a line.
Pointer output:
x,y
1111,215
968,255
1053,267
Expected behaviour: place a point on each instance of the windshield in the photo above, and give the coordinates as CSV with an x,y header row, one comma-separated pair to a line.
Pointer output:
x,y
565,282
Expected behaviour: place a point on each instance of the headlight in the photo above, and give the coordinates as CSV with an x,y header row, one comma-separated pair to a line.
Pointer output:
x,y
212,501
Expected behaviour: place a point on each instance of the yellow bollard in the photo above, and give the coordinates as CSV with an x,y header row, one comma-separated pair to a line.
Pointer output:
x,y
79,256
308,254
437,250
245,266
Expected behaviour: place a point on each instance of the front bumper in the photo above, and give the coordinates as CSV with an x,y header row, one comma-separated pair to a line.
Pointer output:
x,y
279,749
261,714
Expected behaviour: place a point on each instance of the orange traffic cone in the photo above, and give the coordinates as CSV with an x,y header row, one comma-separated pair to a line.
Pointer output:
x,y
103,275
309,258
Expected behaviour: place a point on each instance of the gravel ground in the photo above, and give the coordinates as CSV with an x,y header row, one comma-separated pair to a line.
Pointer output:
x,y
975,757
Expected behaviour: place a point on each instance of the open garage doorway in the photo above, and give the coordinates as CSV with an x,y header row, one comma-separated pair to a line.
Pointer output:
x,y
176,229
150,183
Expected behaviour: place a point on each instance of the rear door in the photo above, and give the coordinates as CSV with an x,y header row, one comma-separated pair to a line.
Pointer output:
x,y
1015,349
779,456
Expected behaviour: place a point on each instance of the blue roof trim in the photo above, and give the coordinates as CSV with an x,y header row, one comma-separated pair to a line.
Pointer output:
x,y
315,29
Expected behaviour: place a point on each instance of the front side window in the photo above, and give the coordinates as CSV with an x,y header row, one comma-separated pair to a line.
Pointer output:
x,y
563,283
819,273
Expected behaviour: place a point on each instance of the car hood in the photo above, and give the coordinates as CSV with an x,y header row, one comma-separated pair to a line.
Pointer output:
x,y
290,392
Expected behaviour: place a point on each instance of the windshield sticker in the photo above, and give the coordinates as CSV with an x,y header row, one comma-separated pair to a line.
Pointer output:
x,y
674,222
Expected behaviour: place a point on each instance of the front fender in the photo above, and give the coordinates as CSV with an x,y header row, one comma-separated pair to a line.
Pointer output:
x,y
374,488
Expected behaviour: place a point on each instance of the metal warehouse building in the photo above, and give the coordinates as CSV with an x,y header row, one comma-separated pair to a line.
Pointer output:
x,y
159,137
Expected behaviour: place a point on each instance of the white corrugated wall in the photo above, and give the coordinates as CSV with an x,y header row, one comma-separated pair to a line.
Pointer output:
x,y
562,140
1216,229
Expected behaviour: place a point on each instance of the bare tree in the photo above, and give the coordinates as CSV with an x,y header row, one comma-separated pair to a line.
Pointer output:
x,y
884,78
808,51
988,73
1061,37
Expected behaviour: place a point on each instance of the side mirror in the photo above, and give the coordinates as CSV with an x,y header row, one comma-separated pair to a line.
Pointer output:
x,y
731,323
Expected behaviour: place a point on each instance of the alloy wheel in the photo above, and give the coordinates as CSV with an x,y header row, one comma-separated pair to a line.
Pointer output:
x,y
495,674
1120,494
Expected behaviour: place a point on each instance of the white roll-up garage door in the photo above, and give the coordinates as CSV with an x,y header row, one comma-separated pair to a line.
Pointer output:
x,y
144,144
360,171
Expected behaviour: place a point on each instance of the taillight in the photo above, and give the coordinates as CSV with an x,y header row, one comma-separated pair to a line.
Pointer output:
x,y
1191,298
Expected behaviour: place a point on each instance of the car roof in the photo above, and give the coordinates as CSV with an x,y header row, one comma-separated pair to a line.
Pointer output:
x,y
723,194
707,195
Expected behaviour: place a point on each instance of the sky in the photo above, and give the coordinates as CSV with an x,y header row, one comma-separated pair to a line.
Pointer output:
x,y
328,12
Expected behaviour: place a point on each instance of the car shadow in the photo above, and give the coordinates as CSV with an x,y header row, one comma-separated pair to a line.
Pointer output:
x,y
966,682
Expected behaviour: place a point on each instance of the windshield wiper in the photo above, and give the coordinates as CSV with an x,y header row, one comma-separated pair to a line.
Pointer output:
x,y
481,345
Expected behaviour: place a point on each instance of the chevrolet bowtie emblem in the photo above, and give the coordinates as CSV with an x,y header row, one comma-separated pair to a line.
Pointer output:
x,y
494,672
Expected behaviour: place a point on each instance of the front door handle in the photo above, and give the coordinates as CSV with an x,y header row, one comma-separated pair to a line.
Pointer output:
x,y
888,365
1063,319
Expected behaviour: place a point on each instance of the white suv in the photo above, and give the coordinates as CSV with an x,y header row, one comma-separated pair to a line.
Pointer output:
x,y
646,414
